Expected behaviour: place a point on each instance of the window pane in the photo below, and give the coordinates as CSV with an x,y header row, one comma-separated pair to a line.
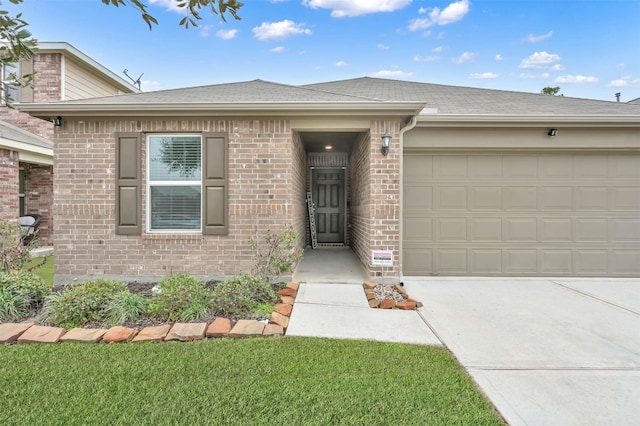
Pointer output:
x,y
175,207
174,158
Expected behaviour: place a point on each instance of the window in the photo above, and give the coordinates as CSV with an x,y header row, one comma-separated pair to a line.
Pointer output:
x,y
186,184
10,73
174,183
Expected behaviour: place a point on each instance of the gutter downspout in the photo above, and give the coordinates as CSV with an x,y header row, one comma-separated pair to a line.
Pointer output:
x,y
405,129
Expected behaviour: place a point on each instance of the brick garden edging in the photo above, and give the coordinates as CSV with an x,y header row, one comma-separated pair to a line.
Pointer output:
x,y
389,296
183,332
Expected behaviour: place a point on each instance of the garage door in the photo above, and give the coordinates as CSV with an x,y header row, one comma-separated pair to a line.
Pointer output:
x,y
521,214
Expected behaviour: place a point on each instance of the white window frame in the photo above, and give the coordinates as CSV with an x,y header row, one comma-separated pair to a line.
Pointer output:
x,y
150,183
5,81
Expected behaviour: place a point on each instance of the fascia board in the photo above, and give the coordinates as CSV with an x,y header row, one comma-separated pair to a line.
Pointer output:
x,y
22,147
259,109
480,120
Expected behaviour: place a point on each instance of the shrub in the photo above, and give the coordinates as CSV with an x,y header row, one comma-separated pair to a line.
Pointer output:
x,y
180,297
13,254
125,306
241,294
277,254
21,293
82,304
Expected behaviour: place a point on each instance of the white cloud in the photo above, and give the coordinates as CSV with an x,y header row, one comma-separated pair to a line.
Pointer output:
x,y
558,67
344,8
279,30
498,57
341,64
226,34
383,47
465,57
419,58
539,60
435,16
391,74
204,30
278,49
575,79
626,81
532,76
484,75
171,5
536,38
438,49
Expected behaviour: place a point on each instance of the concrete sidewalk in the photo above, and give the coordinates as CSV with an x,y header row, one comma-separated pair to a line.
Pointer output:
x,y
331,303
545,351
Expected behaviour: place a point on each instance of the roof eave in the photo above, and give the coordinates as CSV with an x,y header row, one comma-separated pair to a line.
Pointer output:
x,y
49,110
506,120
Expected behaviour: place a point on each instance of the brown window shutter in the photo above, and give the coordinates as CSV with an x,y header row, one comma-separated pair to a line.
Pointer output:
x,y
128,184
26,93
215,212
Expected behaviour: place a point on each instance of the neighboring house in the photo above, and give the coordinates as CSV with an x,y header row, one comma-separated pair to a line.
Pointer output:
x,y
60,72
476,182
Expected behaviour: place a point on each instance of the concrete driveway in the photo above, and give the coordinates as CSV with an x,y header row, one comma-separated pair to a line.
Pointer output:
x,y
545,351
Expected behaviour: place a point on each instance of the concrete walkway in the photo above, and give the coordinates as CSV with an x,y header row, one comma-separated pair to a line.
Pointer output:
x,y
544,351
331,303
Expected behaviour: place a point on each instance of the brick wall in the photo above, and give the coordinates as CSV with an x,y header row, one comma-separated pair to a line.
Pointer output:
x,y
38,194
375,186
265,188
299,177
9,186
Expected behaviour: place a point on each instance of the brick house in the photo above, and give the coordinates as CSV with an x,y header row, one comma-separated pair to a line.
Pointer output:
x,y
475,181
61,72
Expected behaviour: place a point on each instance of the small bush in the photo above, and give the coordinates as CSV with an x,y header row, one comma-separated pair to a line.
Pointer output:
x,y
124,307
21,293
82,304
180,297
241,294
13,253
276,254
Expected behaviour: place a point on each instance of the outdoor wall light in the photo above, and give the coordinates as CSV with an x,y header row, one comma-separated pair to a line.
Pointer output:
x,y
553,132
57,121
386,140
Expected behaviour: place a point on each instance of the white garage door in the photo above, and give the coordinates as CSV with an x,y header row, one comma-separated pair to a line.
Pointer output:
x,y
522,214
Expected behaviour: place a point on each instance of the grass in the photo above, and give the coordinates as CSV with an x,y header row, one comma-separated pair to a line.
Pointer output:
x,y
238,382
45,271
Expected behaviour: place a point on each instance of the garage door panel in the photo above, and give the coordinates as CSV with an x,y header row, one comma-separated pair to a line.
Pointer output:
x,y
485,229
556,262
555,229
522,214
486,198
521,198
521,166
556,198
452,261
486,261
520,229
418,197
451,198
451,229
591,198
625,198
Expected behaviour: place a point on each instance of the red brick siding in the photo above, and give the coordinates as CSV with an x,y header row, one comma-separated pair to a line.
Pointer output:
x,y
9,185
38,193
264,192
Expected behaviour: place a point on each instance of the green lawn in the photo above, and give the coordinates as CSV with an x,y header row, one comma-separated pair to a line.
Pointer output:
x,y
45,271
268,381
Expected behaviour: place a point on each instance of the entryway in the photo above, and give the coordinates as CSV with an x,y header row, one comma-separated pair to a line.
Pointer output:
x,y
330,265
329,197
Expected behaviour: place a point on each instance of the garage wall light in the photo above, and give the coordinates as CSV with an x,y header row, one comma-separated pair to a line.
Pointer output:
x,y
553,132
386,141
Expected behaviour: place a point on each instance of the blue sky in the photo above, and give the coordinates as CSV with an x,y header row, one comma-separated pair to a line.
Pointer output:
x,y
590,49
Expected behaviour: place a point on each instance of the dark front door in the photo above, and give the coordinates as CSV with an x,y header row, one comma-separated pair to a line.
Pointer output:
x,y
329,197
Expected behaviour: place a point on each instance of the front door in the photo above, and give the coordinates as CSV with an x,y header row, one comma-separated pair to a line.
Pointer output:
x,y
329,198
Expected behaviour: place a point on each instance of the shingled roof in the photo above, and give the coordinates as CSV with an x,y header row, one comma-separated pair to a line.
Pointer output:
x,y
361,94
